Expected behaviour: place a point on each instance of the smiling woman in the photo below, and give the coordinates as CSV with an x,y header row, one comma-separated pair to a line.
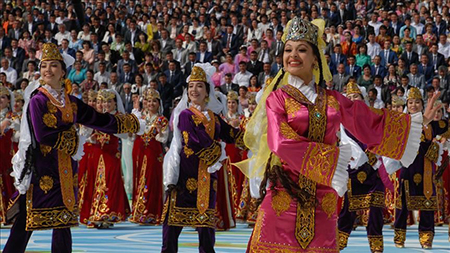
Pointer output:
x,y
292,136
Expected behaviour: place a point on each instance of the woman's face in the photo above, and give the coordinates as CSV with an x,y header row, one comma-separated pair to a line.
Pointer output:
x,y
138,79
252,107
298,59
397,108
229,59
367,71
109,105
391,69
145,104
253,81
354,97
18,105
86,46
153,105
4,102
92,102
438,115
52,72
78,66
232,106
242,92
99,105
414,105
197,92
362,50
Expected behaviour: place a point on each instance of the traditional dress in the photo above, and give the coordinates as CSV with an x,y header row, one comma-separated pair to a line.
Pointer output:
x,y
417,189
301,126
148,156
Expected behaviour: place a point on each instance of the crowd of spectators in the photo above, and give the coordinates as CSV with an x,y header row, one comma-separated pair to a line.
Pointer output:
x,y
385,46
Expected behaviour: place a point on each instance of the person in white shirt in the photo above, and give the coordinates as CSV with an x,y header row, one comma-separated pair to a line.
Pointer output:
x,y
62,34
373,100
375,23
243,76
102,76
444,46
417,24
11,74
373,48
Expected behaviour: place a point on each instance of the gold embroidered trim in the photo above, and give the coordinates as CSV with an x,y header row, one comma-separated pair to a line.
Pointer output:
x,y
426,237
427,179
197,120
433,152
281,202
287,132
127,123
191,184
46,183
417,178
376,243
187,151
442,124
51,108
321,162
343,239
329,204
372,158
67,141
291,106
364,201
49,120
211,154
361,176
66,179
395,134
417,202
239,140
48,218
45,150
399,236
183,216
332,102
215,185
66,110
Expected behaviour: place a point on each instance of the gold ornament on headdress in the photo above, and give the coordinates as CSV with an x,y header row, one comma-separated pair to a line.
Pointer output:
x,y
50,52
18,95
396,101
92,95
352,88
232,95
152,94
252,99
197,75
106,95
4,91
300,29
414,93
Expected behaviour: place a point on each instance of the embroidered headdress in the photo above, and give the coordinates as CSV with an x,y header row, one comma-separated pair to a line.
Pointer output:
x,y
353,88
252,99
152,94
197,75
414,93
397,101
300,29
106,94
232,95
18,95
92,95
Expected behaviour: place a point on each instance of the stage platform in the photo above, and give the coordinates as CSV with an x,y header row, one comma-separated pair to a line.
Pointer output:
x,y
131,238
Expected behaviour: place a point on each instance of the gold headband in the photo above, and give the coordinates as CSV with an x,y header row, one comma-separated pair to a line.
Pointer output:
x,y
396,101
4,91
352,88
92,94
232,95
18,95
152,94
414,93
106,95
197,75
300,29
50,52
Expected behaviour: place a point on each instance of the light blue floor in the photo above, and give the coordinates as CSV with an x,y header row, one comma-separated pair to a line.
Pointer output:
x,y
130,238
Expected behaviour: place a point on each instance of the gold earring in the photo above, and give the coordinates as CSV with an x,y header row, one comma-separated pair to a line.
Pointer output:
x,y
316,67
207,99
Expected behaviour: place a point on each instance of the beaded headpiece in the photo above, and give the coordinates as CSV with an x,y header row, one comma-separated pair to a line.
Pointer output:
x,y
92,94
397,101
414,93
152,94
4,91
106,94
300,29
252,99
198,75
352,88
50,52
18,95
232,95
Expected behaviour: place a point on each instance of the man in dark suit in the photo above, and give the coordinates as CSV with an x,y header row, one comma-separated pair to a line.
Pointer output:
x,y
132,34
435,58
340,79
337,58
238,29
366,29
387,55
18,53
344,13
441,26
229,85
166,91
29,25
189,64
377,69
166,62
415,78
230,42
254,66
265,74
410,56
335,17
395,23
277,46
127,97
352,69
126,76
419,46
4,40
98,28
111,55
48,37
176,78
65,48
137,53
425,68
167,44
202,55
126,60
213,46
15,32
277,65
52,26
383,90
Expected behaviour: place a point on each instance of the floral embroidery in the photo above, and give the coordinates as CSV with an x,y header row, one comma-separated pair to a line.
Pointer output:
x,y
281,202
49,120
196,120
417,178
46,183
67,141
361,176
191,184
184,216
45,149
288,132
426,237
399,236
291,106
329,203
127,123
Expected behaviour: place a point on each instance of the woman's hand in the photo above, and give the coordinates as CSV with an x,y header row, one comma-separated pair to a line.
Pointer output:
x,y
431,109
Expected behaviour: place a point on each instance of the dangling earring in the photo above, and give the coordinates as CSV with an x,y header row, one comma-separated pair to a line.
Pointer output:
x,y
207,99
315,66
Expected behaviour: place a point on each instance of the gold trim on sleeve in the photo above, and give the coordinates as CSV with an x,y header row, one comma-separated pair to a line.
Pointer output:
x,y
127,123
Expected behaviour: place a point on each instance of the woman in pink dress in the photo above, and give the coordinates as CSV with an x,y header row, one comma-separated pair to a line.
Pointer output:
x,y
227,66
242,56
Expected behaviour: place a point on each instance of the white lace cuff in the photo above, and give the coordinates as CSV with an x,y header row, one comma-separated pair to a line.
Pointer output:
x,y
413,143
216,166
80,151
340,177
440,154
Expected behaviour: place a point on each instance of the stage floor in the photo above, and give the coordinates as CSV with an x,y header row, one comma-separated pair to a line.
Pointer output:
x,y
131,238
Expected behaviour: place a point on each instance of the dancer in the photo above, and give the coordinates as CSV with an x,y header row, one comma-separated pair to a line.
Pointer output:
x,y
7,151
45,166
148,157
293,142
365,191
15,120
417,189
190,166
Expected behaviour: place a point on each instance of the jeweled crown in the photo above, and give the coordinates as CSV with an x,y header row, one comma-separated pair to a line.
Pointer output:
x,y
106,95
92,94
152,94
197,75
232,95
414,93
397,101
300,29
50,52
352,88
252,99
18,95
4,91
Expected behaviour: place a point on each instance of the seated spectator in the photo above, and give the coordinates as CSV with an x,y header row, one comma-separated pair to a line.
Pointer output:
x,y
89,83
365,80
77,74
242,78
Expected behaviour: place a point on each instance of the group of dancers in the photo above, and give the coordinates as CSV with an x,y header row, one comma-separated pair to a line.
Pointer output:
x,y
302,164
